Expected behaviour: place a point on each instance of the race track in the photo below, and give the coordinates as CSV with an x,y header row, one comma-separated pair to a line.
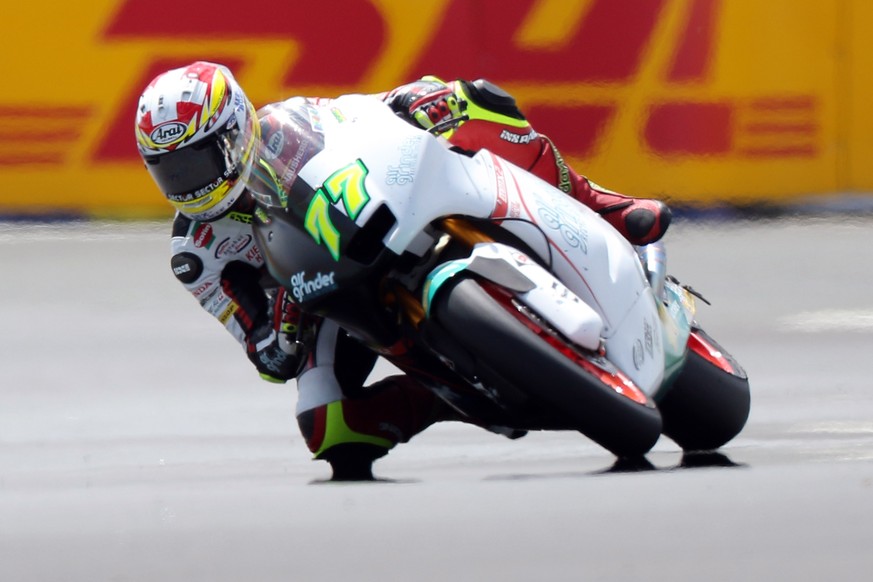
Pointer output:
x,y
138,444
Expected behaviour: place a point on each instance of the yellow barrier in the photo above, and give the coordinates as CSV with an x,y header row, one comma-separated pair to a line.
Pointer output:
x,y
694,100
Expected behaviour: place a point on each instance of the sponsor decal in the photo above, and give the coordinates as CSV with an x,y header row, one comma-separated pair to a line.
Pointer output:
x,y
315,118
229,246
168,133
404,173
564,184
202,289
502,199
338,114
399,175
262,216
239,105
253,255
274,144
182,269
566,221
639,354
204,235
187,267
518,138
303,147
273,360
303,288
215,184
228,312
216,301
648,337
240,217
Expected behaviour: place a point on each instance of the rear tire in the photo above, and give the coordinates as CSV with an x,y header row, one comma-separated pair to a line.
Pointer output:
x,y
501,344
706,406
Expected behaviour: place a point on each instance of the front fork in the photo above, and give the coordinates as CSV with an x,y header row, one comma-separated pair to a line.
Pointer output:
x,y
676,308
654,259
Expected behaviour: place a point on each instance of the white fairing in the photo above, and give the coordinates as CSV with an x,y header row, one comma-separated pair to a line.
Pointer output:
x,y
549,298
413,173
596,263
420,180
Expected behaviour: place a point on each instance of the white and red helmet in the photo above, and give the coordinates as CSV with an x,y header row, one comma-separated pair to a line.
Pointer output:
x,y
197,133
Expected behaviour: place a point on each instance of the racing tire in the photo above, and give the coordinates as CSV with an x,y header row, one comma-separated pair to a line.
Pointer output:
x,y
709,402
504,345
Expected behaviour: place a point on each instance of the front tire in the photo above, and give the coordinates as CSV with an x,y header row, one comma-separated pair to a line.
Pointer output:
x,y
709,402
508,350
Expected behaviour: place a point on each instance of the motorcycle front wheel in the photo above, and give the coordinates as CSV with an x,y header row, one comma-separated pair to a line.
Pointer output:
x,y
709,402
508,347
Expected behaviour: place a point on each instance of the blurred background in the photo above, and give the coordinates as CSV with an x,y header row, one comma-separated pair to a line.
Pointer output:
x,y
137,443
701,102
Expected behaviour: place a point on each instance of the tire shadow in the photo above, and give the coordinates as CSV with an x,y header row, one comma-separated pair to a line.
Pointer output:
x,y
689,460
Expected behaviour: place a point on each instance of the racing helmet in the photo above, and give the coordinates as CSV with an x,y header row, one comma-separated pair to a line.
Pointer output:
x,y
197,133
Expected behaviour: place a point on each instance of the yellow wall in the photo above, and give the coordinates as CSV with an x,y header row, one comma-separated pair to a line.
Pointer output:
x,y
856,98
695,100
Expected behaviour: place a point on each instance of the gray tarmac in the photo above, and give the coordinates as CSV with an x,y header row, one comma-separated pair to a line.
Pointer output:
x,y
138,444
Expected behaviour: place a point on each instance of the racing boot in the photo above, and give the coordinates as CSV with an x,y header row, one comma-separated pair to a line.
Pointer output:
x,y
641,221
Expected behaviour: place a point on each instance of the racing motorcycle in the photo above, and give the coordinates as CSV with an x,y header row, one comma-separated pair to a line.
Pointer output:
x,y
513,302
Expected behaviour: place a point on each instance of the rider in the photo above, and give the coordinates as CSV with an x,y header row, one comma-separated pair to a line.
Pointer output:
x,y
198,135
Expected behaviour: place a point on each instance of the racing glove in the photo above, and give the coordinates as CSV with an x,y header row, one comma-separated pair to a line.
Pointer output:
x,y
277,346
427,103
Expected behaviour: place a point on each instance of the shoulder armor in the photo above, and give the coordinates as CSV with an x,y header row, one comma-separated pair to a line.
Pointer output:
x,y
187,267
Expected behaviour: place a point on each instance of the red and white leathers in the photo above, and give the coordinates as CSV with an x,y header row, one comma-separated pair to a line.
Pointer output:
x,y
342,420
492,120
219,263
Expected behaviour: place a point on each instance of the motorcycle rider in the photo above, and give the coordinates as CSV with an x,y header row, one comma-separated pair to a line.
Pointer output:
x,y
198,135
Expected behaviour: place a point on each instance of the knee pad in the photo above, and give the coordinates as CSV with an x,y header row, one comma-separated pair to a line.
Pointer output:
x,y
390,411
325,428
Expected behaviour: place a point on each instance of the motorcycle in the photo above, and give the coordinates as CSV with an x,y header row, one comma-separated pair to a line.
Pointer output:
x,y
513,302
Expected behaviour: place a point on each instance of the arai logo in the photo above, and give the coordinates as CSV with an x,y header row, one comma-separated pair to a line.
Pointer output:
x,y
168,132
274,145
304,289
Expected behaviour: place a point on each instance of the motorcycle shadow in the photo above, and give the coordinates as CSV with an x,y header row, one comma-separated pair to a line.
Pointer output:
x,y
689,460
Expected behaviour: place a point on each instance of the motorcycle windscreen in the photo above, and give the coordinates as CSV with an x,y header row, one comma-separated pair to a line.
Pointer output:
x,y
339,282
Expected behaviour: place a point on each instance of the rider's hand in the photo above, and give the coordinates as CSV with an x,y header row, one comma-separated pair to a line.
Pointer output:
x,y
275,347
426,103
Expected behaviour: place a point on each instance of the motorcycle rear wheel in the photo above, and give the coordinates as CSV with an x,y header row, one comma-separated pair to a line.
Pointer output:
x,y
709,402
504,346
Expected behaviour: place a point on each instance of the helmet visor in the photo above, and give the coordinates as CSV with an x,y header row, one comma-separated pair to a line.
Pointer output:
x,y
191,176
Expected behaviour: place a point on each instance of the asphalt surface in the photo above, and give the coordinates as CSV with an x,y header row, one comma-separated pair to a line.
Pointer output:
x,y
138,444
